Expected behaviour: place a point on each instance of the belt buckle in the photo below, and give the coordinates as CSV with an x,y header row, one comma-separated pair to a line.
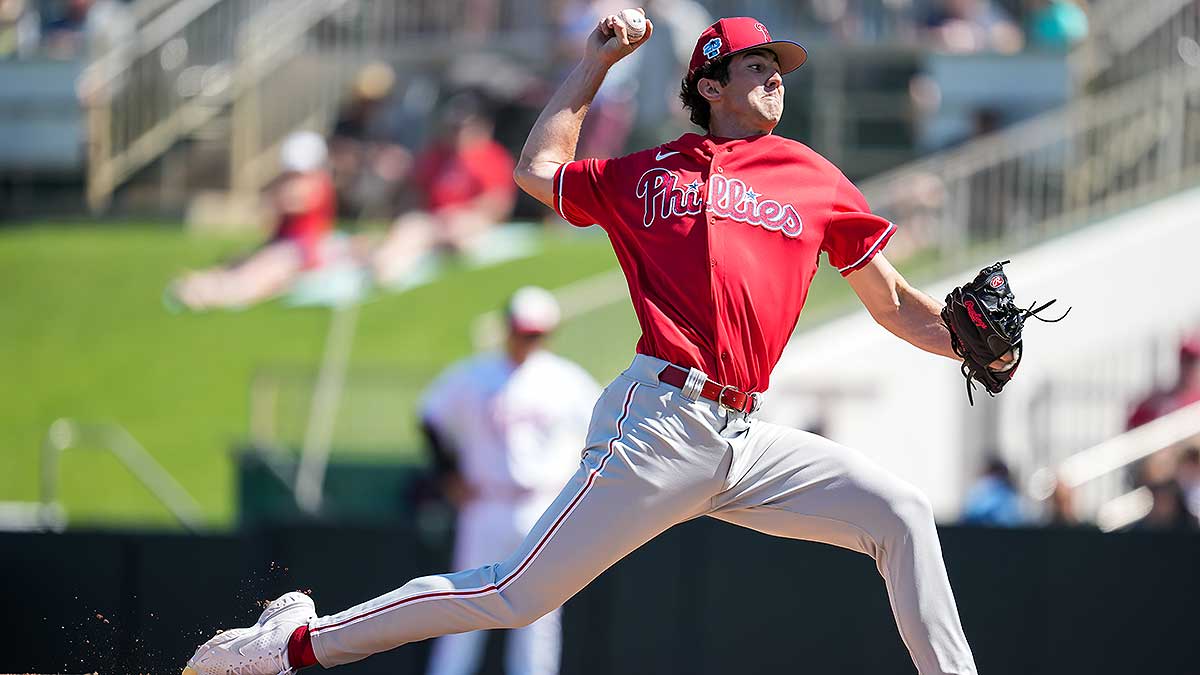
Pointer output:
x,y
721,397
753,397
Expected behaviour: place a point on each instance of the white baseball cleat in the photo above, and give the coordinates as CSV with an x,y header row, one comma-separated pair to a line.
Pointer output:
x,y
260,649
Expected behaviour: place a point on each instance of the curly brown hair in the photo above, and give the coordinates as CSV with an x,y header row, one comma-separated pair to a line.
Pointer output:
x,y
689,92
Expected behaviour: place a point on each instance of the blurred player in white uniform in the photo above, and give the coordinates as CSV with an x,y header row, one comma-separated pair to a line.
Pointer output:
x,y
506,430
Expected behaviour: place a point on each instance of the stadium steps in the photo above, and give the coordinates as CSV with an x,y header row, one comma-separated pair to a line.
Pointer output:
x,y
201,160
191,64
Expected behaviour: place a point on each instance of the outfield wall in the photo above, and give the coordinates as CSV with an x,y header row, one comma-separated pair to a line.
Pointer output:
x,y
705,598
1130,277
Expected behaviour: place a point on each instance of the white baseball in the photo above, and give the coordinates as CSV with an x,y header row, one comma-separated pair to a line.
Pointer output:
x,y
635,23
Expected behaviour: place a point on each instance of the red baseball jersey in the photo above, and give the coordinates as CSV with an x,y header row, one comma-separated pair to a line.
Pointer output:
x,y
719,240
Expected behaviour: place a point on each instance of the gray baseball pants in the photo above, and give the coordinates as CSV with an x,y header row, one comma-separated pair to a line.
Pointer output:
x,y
654,459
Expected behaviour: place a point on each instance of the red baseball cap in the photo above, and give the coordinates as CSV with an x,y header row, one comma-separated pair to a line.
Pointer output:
x,y
739,33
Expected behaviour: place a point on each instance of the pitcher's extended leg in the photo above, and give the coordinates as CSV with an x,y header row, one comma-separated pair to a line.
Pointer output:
x,y
622,496
484,533
803,486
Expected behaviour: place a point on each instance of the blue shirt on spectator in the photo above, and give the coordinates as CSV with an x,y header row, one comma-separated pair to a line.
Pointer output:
x,y
992,501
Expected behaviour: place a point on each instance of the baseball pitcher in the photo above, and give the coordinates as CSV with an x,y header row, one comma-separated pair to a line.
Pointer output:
x,y
719,235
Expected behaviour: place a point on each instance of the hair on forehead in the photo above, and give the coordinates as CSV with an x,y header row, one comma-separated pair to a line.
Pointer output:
x,y
760,51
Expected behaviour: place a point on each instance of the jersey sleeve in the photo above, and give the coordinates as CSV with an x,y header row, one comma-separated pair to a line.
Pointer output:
x,y
854,234
582,191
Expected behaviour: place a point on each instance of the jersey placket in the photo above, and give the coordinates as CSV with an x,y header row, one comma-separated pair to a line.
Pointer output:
x,y
716,230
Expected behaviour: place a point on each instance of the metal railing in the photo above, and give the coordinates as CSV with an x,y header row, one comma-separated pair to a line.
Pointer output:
x,y
1091,398
65,434
1097,474
283,81
304,85
375,25
196,58
173,78
1096,156
1129,39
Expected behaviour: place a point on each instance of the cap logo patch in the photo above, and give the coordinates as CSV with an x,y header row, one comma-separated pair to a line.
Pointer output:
x,y
996,281
763,29
712,48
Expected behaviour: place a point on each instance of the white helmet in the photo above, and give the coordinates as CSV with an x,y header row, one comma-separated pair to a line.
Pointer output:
x,y
533,310
303,151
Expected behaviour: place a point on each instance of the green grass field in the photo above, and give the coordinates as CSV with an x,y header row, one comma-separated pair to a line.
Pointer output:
x,y
86,336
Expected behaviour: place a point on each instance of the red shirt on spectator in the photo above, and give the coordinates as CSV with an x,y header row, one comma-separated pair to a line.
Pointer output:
x,y
308,226
1185,392
450,177
1162,403
719,240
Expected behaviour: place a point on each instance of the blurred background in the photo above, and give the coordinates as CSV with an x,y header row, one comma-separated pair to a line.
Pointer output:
x,y
239,238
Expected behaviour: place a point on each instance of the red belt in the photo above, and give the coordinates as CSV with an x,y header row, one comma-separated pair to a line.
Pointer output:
x,y
727,395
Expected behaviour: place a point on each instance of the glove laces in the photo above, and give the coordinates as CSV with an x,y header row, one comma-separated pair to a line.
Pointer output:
x,y
1031,312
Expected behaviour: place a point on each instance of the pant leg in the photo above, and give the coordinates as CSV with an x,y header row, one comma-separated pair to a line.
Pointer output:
x,y
485,532
803,486
535,649
650,463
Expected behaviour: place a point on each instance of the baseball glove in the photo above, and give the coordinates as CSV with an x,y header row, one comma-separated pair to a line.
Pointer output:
x,y
985,324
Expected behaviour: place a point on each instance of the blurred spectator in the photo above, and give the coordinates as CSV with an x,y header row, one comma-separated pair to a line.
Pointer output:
x,y
967,26
20,29
1056,24
1187,474
89,27
1167,510
993,499
481,17
516,91
1061,510
662,63
302,200
611,115
464,179
1184,392
370,146
505,430
1158,467
840,21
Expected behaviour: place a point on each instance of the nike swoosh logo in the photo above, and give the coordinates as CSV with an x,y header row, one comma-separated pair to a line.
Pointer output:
x,y
663,155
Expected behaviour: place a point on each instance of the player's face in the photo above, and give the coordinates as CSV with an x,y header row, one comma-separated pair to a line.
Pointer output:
x,y
754,93
521,345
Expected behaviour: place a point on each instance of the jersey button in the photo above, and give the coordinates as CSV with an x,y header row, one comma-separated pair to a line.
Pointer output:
x,y
724,356
720,169
712,262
